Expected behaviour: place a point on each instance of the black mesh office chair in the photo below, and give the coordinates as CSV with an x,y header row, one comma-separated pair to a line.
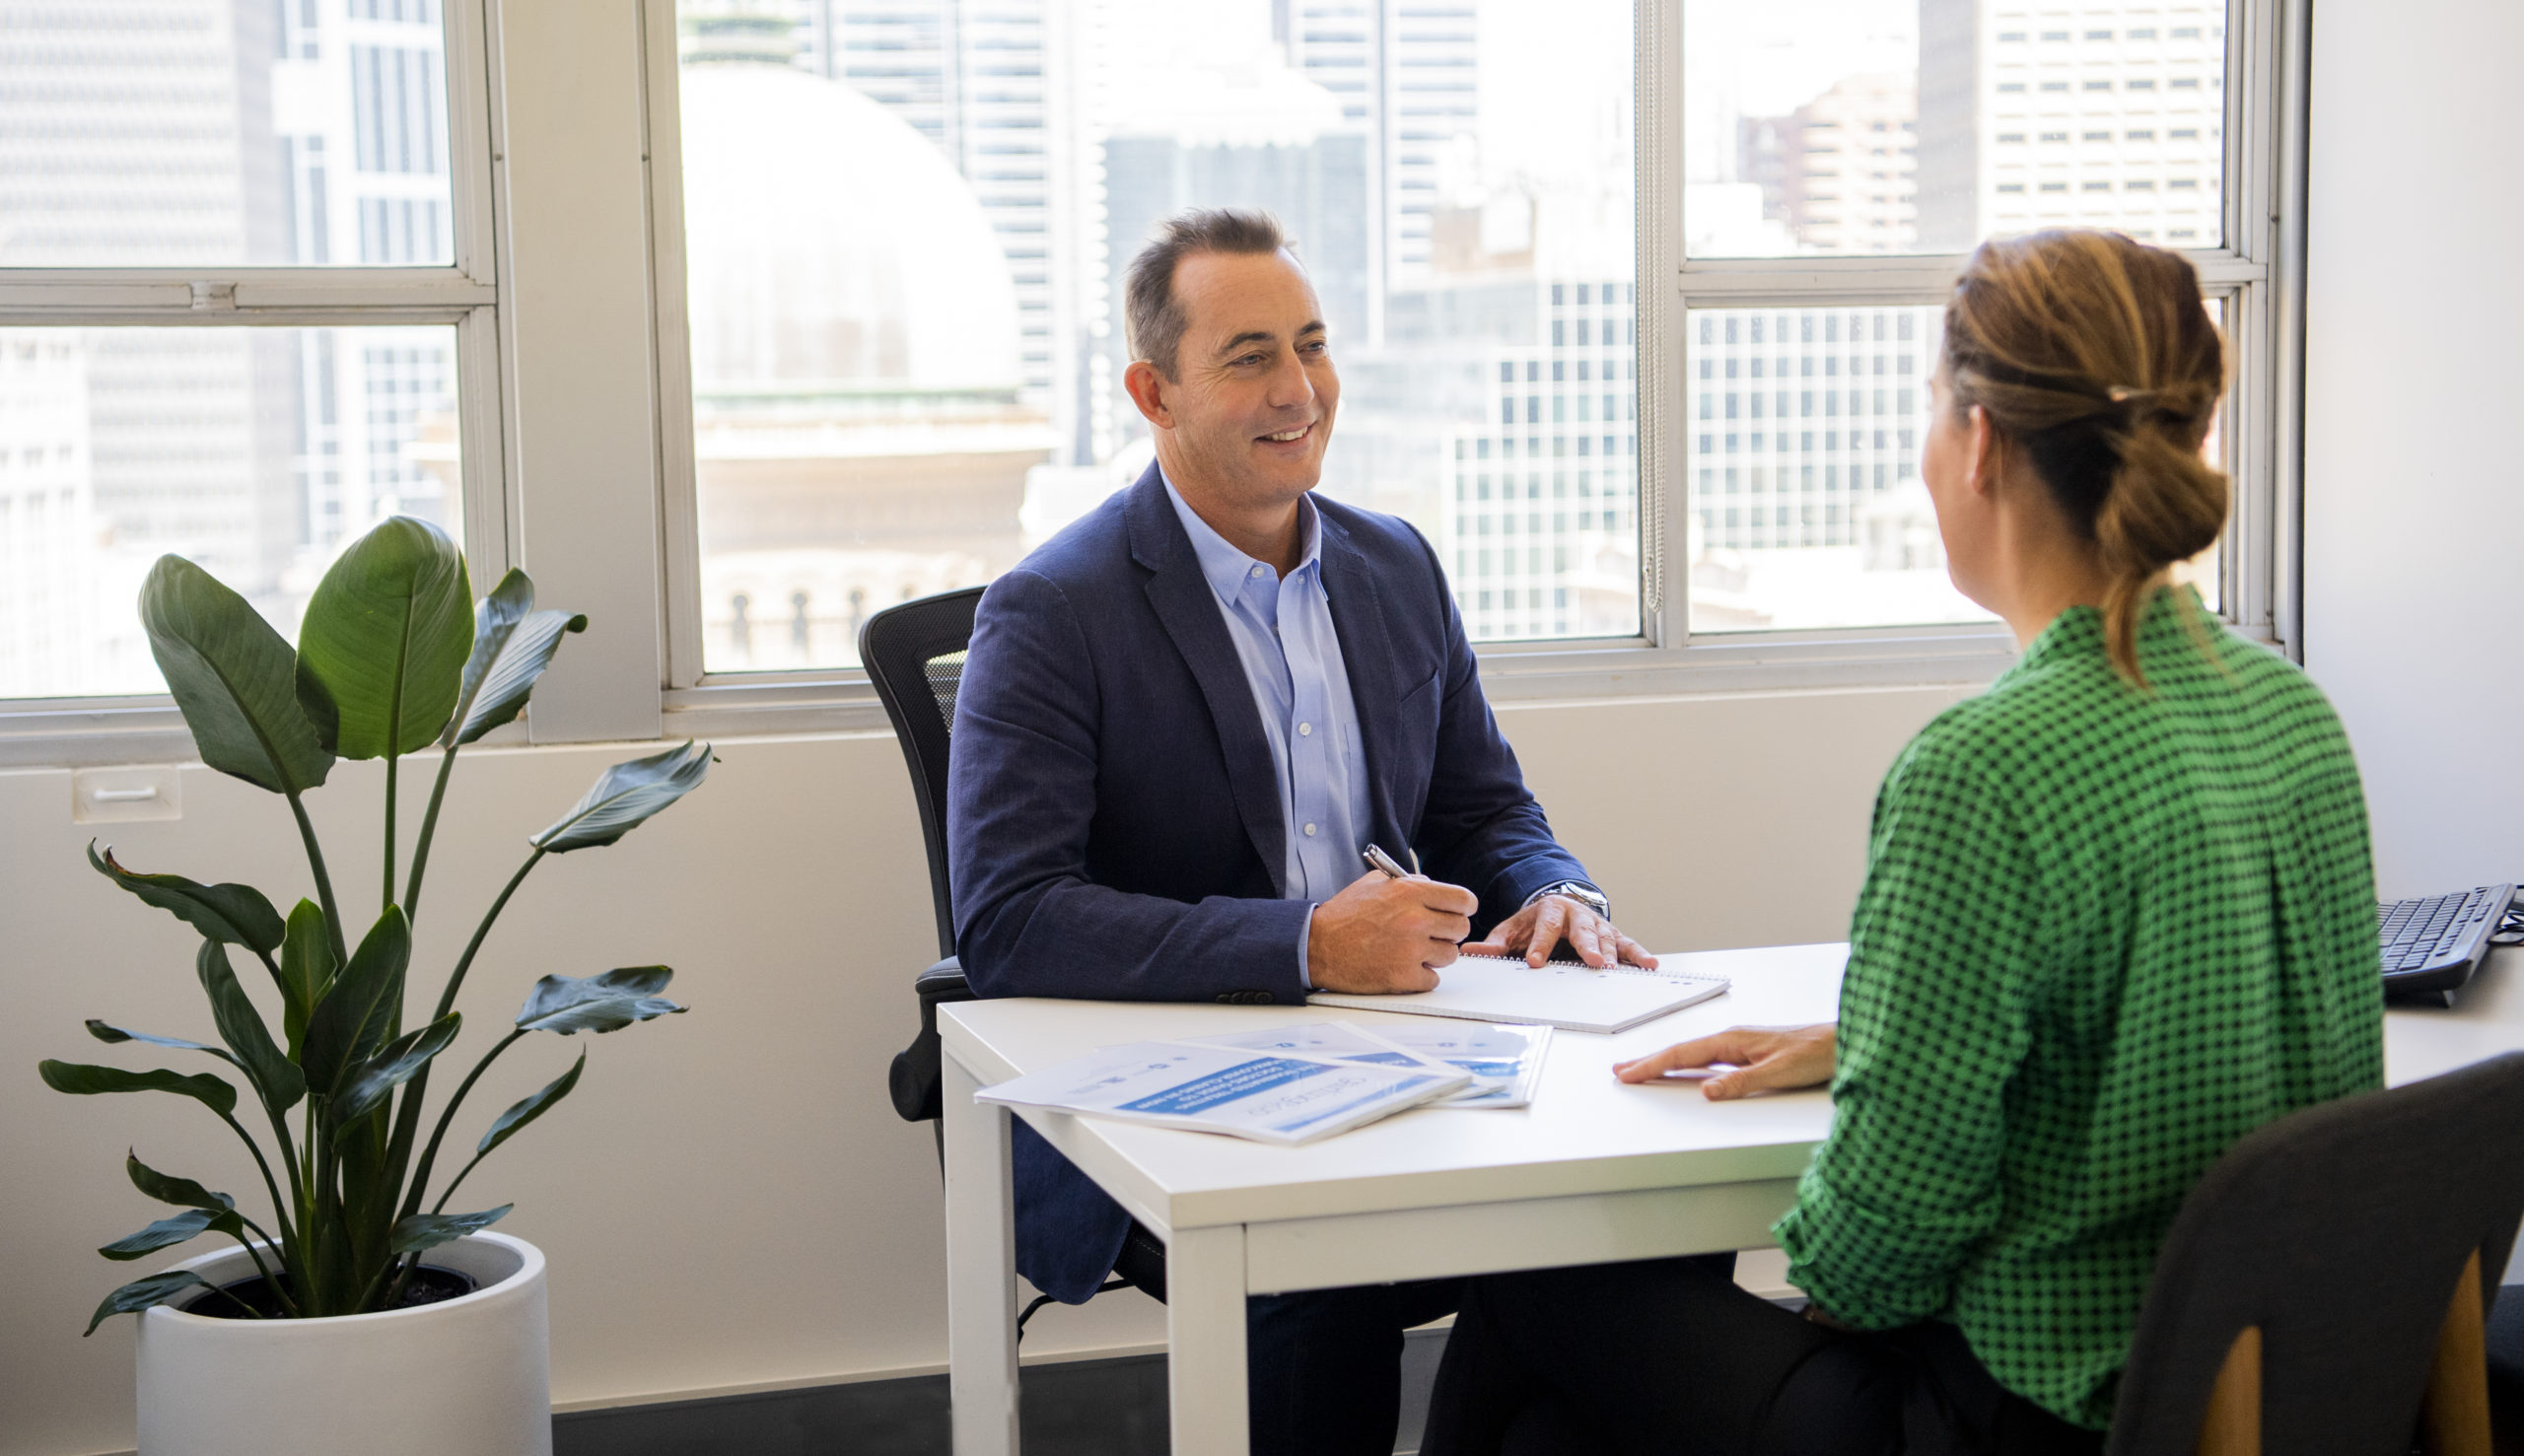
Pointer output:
x,y
2301,1299
914,654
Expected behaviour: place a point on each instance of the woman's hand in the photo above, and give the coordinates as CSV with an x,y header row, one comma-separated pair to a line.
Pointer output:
x,y
1765,1059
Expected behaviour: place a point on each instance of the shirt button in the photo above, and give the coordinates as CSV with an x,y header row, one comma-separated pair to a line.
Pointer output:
x,y
1309,831
1305,730
1257,568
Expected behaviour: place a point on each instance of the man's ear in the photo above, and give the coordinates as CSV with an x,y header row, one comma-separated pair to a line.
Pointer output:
x,y
1149,390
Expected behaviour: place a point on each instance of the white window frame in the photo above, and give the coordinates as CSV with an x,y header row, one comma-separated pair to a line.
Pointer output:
x,y
568,298
145,727
2257,272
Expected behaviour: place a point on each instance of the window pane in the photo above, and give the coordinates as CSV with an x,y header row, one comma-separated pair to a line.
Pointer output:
x,y
1872,126
178,133
1803,445
256,453
894,400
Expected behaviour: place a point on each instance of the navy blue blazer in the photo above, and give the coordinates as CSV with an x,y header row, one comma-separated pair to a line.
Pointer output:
x,y
1113,818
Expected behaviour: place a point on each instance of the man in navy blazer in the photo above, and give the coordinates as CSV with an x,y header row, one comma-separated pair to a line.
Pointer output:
x,y
1181,721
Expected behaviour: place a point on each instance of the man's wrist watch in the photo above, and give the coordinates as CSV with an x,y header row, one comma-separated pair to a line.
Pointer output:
x,y
1579,892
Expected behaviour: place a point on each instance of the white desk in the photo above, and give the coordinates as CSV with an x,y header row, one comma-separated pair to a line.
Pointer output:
x,y
1593,1172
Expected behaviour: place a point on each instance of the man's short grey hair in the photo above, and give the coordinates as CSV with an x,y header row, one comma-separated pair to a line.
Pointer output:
x,y
1154,318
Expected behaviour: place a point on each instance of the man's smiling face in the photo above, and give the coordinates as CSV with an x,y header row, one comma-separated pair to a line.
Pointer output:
x,y
1251,402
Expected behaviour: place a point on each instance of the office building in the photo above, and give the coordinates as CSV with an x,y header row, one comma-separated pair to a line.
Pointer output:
x,y
1406,73
988,86
1840,171
2110,117
1540,533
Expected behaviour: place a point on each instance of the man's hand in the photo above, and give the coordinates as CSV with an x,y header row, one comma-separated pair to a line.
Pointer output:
x,y
1765,1059
1381,935
1537,929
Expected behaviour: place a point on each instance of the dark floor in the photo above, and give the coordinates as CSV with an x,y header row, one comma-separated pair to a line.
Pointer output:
x,y
1082,1408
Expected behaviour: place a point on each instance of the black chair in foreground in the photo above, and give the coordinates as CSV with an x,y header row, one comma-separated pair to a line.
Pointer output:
x,y
914,654
2322,1288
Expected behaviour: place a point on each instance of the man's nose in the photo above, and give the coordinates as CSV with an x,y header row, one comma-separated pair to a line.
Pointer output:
x,y
1290,385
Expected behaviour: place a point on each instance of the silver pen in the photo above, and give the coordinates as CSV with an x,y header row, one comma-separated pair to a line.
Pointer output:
x,y
1382,863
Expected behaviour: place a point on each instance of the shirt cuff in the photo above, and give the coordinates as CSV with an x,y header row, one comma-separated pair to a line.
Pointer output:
x,y
1305,933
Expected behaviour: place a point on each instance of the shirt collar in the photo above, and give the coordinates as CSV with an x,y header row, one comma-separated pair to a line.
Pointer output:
x,y
1227,567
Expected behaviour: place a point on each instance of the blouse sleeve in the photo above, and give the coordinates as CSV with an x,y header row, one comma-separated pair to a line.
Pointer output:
x,y
1933,1024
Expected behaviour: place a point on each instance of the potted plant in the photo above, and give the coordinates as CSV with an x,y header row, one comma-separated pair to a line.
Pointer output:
x,y
357,1313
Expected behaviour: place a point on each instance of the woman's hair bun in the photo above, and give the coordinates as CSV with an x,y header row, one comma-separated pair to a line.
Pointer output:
x,y
2097,355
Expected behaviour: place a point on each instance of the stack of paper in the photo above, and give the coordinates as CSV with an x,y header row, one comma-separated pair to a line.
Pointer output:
x,y
1275,1096
1504,1062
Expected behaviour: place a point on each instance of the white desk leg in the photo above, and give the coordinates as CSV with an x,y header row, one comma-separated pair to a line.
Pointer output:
x,y
1205,1331
981,1271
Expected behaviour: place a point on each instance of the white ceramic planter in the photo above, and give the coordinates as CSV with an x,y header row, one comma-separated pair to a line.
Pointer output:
x,y
468,1377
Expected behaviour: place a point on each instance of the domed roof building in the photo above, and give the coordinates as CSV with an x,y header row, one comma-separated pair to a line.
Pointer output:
x,y
858,433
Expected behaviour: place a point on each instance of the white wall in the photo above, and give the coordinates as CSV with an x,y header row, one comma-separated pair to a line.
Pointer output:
x,y
727,1199
2414,379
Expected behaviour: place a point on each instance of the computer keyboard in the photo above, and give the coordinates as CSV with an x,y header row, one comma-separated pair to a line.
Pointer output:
x,y
2432,944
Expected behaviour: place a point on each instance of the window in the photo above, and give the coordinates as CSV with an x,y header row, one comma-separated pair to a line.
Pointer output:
x,y
882,407
1847,537
304,176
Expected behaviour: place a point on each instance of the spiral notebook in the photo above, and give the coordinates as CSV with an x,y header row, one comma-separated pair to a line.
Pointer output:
x,y
1566,995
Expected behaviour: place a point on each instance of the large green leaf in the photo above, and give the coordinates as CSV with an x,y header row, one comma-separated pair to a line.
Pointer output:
x,y
242,1027
569,1004
172,1230
83,1079
306,972
342,1029
236,914
251,711
367,1084
388,632
167,1188
141,1293
529,1109
625,797
513,644
429,1230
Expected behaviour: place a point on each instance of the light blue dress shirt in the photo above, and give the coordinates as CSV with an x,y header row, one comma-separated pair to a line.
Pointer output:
x,y
1281,627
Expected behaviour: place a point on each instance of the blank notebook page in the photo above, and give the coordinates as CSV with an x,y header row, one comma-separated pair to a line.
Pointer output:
x,y
1483,988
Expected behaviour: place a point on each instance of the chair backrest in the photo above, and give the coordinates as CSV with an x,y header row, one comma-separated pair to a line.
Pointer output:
x,y
2339,1232
915,654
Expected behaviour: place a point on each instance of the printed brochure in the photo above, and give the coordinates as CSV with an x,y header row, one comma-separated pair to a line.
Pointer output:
x,y
1273,1096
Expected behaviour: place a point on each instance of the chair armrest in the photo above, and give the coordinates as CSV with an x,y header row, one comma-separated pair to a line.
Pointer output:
x,y
914,1077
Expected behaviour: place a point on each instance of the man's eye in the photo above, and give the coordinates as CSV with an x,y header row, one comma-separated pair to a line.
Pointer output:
x,y
1250,358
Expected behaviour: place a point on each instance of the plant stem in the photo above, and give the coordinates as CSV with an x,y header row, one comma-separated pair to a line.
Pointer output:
x,y
385,898
289,1160
250,1311
269,1282
429,1155
429,830
407,1117
455,978
324,882
255,1149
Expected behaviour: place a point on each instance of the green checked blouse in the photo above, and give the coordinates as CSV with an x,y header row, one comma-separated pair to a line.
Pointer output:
x,y
2105,932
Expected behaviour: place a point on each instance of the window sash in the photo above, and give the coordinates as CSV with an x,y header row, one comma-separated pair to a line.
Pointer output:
x,y
2259,272
465,293
2253,271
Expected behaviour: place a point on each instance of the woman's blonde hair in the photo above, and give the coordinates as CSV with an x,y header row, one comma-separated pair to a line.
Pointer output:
x,y
2095,356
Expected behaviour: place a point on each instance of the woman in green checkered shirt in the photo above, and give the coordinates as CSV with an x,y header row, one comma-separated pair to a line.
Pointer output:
x,y
2119,911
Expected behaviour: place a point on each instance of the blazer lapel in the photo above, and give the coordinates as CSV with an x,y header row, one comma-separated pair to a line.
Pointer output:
x,y
1189,612
1376,678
